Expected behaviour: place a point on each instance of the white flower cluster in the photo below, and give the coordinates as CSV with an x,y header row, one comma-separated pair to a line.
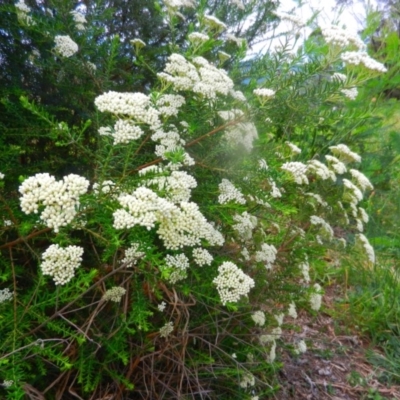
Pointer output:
x,y
177,186
125,131
293,148
202,256
22,13
200,77
175,4
169,104
132,255
341,37
350,93
187,228
272,353
292,310
247,380
363,242
138,43
344,154
279,318
300,347
179,72
179,226
238,3
316,298
258,317
238,95
294,19
305,270
179,265
326,230
337,166
105,187
297,170
91,66
239,41
2,175
274,192
169,141
161,307
114,294
352,193
5,295
105,131
317,198
320,170
232,283
264,93
242,133
223,56
338,77
60,198
135,105
245,225
79,20
214,23
361,180
228,192
145,208
22,7
167,329
61,263
213,80
267,254
198,38
362,58
275,334
65,45
7,383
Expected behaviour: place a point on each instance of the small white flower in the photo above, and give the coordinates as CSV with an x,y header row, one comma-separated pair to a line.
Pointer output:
x,y
316,298
138,43
232,283
279,318
350,93
228,192
114,294
202,257
293,148
167,329
345,154
300,347
7,383
298,171
6,295
363,242
292,310
258,317
65,45
247,380
61,263
79,20
161,307
198,38
214,23
264,93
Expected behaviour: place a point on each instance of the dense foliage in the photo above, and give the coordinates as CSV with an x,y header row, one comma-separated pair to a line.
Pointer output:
x,y
164,219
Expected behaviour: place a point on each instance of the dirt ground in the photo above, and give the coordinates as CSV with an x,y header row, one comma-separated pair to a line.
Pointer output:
x,y
335,365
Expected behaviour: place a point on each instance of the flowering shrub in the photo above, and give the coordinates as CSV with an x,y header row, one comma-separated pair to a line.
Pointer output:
x,y
193,233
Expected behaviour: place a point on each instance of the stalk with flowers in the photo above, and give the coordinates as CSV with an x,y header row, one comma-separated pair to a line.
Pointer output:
x,y
174,265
